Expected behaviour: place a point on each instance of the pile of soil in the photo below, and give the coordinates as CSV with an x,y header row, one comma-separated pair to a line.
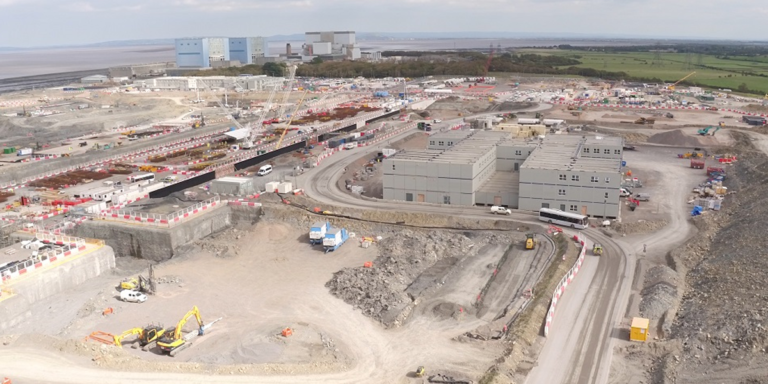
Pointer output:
x,y
676,138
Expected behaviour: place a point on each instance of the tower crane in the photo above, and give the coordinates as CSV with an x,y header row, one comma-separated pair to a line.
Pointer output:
x,y
672,87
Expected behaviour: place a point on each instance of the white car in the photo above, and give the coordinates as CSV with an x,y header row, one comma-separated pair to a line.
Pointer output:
x,y
437,121
350,146
501,210
133,296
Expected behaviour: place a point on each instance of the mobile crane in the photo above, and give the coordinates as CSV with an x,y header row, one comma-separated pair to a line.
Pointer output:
x,y
672,87
298,105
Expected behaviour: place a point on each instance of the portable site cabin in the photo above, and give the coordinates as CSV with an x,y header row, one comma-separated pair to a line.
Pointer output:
x,y
639,329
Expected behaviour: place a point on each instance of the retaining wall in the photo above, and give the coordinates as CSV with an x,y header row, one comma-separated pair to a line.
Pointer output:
x,y
44,284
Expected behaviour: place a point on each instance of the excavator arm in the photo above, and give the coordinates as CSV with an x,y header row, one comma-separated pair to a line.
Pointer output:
x,y
133,331
170,343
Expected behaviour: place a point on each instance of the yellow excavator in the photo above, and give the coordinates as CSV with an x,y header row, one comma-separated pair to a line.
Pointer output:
x,y
145,335
140,284
174,342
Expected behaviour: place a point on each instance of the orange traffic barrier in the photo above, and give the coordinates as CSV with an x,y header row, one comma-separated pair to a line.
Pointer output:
x,y
287,332
6,381
101,337
317,210
108,311
368,264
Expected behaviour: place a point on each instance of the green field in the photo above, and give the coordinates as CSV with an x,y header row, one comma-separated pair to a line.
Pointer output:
x,y
721,73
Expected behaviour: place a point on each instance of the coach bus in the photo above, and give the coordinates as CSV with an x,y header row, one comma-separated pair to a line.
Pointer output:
x,y
566,219
142,177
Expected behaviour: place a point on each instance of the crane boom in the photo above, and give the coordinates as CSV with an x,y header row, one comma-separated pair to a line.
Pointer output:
x,y
672,87
298,105
289,88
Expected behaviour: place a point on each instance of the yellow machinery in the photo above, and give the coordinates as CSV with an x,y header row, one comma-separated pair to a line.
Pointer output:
x,y
148,168
298,105
128,133
145,335
140,284
420,371
597,250
530,241
672,87
175,342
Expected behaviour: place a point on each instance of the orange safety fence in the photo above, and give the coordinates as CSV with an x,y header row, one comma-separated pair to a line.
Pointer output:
x,y
101,337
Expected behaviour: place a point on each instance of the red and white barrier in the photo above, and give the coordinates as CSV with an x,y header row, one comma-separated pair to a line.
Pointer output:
x,y
564,282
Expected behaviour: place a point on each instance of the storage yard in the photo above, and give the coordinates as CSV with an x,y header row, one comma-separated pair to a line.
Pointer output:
x,y
189,239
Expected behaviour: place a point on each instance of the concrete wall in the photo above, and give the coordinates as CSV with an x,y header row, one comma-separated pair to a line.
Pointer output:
x,y
508,198
159,244
41,285
539,188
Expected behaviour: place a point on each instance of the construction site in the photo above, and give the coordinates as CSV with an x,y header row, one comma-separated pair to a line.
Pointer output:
x,y
224,244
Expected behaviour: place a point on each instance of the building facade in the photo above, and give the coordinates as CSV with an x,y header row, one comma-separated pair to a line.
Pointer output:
x,y
192,53
331,44
254,83
573,173
247,50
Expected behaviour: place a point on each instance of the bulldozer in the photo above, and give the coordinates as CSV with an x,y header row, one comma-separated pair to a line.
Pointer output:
x,y
644,120
530,241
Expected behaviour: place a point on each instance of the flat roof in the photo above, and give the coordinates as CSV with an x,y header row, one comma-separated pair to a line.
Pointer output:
x,y
230,179
467,151
639,322
560,153
238,134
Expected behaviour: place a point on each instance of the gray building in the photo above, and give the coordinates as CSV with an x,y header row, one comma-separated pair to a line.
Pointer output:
x,y
140,70
573,173
568,172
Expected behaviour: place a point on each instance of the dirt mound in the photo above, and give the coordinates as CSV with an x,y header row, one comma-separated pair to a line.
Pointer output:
x,y
409,266
676,138
640,226
660,292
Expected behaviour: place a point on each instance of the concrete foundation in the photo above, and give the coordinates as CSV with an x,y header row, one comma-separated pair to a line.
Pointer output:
x,y
46,283
159,244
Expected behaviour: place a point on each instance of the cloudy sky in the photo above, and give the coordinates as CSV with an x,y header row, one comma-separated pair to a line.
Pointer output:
x,y
61,22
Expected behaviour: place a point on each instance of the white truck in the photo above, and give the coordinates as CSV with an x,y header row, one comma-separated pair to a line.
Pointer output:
x,y
501,210
24,152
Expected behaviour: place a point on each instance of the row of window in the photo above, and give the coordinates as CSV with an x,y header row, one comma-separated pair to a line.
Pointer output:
x,y
561,192
605,151
594,179
441,143
520,153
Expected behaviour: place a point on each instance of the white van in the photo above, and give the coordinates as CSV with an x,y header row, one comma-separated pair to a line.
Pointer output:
x,y
264,170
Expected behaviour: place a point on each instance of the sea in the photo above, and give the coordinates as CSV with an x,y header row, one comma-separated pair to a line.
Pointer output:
x,y
44,61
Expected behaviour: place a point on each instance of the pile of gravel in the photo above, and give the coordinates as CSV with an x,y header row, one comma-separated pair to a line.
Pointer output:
x,y
410,265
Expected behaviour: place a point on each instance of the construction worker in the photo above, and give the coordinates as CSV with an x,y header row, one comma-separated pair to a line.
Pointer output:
x,y
644,248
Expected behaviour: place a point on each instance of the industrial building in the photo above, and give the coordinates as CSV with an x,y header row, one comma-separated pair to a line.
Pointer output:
x,y
338,45
510,168
237,186
140,70
237,83
247,50
94,79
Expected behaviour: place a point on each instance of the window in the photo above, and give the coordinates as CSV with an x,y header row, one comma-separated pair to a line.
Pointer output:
x,y
574,177
446,199
606,195
617,151
393,167
432,142
594,179
574,208
607,179
409,197
562,207
595,150
562,177
545,205
586,150
450,143
441,143
561,192
606,151
518,153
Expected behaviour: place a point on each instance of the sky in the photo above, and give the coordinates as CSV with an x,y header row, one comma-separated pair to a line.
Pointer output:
x,y
31,23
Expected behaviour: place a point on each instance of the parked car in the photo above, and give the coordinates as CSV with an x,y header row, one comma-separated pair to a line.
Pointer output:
x,y
350,145
133,296
629,148
624,192
437,121
643,197
501,210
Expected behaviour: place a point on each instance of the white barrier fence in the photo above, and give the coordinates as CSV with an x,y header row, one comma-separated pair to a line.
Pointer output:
x,y
164,220
68,246
565,281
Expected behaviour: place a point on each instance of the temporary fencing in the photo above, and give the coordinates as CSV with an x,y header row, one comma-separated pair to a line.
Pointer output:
x,y
565,281
68,246
660,107
162,220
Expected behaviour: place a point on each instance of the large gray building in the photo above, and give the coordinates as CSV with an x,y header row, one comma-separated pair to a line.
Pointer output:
x,y
568,172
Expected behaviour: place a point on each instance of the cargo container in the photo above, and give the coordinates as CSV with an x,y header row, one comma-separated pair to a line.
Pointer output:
x,y
24,152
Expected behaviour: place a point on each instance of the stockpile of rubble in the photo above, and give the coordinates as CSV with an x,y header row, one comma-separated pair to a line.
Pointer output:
x,y
384,292
660,292
722,319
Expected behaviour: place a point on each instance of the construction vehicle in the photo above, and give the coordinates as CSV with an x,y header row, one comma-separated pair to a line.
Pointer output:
x,y
145,335
420,371
335,238
530,241
672,87
139,283
174,342
597,249
644,120
317,232
669,115
298,105
128,133
148,168
633,203
705,131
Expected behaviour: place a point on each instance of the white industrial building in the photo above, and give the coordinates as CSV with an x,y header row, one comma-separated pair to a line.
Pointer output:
x,y
247,50
205,52
238,83
94,79
332,44
567,172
